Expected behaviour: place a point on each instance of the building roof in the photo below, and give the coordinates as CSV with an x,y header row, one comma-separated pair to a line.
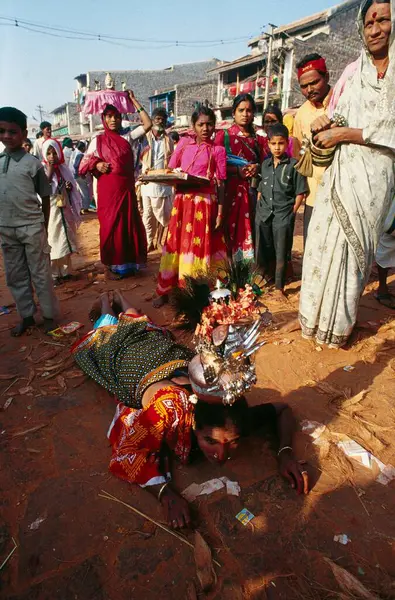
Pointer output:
x,y
62,107
171,68
301,24
248,59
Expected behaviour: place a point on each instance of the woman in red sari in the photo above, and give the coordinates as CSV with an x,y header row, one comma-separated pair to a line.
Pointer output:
x,y
240,190
123,244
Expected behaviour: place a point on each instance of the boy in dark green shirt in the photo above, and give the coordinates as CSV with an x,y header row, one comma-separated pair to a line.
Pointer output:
x,y
281,192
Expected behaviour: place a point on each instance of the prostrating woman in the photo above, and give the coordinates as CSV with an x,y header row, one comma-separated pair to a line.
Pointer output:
x,y
64,216
358,187
241,184
123,244
195,242
171,407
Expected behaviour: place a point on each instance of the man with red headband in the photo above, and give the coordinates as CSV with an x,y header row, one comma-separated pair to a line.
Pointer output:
x,y
313,79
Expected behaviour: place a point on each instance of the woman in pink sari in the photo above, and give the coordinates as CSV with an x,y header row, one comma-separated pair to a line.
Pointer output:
x,y
123,244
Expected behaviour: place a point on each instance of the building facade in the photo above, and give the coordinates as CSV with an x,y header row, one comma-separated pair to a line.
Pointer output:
x,y
183,98
331,33
66,120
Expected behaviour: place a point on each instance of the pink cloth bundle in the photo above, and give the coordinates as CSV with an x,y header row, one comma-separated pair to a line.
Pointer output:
x,y
96,102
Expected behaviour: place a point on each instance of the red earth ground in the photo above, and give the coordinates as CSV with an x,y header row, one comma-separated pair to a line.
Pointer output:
x,y
74,545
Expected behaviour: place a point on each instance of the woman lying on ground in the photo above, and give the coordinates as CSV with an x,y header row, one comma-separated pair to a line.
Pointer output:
x,y
173,403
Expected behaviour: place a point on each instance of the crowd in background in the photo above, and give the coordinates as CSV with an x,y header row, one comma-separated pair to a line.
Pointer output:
x,y
247,185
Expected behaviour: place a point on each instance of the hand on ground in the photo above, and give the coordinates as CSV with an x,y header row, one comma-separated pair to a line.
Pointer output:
x,y
176,509
295,472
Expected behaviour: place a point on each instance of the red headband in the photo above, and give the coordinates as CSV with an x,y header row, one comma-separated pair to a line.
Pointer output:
x,y
313,65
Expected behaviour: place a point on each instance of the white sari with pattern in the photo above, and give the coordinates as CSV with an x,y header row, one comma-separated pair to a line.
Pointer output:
x,y
351,206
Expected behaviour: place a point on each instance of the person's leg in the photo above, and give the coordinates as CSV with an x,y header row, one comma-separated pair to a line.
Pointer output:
x,y
383,294
265,247
106,304
149,221
38,258
18,277
85,195
383,286
281,235
308,211
125,304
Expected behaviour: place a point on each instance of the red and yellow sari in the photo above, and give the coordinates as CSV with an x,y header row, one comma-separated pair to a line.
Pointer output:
x,y
139,437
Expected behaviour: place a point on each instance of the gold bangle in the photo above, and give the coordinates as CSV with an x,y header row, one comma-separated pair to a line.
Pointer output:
x,y
284,448
162,489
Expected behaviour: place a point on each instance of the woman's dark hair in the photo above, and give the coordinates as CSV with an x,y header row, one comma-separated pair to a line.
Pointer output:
x,y
9,114
208,414
272,109
160,112
367,4
278,130
307,59
81,146
45,124
203,110
110,108
175,136
243,98
39,135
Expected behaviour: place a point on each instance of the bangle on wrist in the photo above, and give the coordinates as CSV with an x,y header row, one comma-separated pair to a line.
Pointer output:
x,y
141,109
284,448
162,489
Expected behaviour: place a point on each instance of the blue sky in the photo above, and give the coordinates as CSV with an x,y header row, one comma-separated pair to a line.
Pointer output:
x,y
38,69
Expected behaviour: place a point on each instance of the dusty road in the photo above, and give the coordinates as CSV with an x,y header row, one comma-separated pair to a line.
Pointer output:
x,y
74,545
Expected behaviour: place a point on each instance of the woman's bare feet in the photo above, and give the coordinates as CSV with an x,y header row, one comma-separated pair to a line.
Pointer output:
x,y
160,301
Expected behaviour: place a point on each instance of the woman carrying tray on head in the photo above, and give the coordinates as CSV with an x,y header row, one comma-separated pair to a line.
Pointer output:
x,y
195,242
110,158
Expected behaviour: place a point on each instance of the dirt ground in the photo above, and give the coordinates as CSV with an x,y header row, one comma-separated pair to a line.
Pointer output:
x,y
74,545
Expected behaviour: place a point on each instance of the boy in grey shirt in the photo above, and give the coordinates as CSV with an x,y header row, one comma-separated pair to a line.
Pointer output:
x,y
23,223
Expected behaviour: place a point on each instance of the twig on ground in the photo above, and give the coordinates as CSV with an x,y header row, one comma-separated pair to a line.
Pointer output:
x,y
10,386
5,561
31,430
108,496
55,344
359,498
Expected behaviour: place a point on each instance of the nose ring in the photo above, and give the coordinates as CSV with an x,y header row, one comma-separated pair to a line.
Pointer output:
x,y
215,455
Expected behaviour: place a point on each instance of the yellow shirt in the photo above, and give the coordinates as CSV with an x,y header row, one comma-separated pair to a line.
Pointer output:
x,y
304,117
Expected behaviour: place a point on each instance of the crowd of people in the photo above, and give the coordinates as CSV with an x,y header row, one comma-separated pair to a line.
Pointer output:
x,y
247,186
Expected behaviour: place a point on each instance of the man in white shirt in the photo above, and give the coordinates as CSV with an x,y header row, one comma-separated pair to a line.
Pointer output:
x,y
46,130
157,198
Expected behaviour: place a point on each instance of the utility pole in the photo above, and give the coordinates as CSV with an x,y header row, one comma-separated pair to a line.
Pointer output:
x,y
269,65
40,110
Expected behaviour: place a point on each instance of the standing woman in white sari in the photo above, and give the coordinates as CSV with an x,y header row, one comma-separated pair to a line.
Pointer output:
x,y
358,187
64,216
